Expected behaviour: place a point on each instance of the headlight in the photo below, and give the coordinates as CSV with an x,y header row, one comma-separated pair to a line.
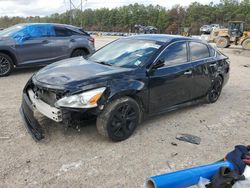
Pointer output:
x,y
86,99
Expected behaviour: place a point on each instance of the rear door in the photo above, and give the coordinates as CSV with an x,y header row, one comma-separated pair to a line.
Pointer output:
x,y
202,62
171,84
62,42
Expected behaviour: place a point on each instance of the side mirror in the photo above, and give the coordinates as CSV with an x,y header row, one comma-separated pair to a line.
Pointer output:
x,y
159,63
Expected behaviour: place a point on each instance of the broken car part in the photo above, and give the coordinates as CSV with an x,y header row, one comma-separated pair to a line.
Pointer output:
x,y
189,138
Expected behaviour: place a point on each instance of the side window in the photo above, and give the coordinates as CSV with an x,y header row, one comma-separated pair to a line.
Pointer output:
x,y
62,32
38,30
175,54
198,51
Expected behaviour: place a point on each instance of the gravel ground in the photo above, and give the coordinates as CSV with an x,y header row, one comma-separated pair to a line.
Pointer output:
x,y
70,158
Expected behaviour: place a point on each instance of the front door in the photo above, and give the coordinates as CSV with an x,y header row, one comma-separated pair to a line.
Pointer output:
x,y
171,84
36,46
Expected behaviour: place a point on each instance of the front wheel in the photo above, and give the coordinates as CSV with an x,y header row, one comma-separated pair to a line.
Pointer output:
x,y
119,119
215,90
6,65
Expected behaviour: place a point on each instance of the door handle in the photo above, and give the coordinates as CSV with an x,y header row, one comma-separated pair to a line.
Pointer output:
x,y
45,41
72,40
188,72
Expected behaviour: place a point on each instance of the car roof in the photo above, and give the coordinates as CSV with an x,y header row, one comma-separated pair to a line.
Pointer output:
x,y
55,24
161,37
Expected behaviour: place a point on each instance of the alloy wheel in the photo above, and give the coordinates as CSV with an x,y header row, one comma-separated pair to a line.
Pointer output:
x,y
216,90
5,65
124,121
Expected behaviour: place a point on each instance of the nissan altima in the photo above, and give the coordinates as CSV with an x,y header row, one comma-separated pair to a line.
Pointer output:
x,y
124,82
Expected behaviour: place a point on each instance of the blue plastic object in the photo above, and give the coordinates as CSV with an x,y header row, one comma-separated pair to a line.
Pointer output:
x,y
33,31
187,177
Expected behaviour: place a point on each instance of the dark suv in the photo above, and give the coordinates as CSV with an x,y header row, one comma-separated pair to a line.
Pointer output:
x,y
40,44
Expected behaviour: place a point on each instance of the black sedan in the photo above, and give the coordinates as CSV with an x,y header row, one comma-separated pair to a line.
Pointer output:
x,y
124,82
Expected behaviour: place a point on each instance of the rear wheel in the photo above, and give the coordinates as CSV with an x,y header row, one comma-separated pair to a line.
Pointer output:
x,y
78,52
222,42
215,90
6,65
246,44
119,119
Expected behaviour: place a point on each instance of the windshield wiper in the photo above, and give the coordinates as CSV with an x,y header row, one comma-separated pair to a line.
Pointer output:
x,y
103,63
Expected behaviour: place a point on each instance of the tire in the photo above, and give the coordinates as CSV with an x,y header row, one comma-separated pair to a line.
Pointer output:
x,y
6,65
119,119
215,90
246,44
222,42
78,52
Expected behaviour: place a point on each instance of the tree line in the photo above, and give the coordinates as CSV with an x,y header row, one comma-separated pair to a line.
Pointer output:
x,y
123,19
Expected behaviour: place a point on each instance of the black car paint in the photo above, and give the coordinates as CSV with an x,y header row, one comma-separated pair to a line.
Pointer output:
x,y
156,89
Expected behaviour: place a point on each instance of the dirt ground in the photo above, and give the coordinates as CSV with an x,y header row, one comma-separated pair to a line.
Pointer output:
x,y
70,158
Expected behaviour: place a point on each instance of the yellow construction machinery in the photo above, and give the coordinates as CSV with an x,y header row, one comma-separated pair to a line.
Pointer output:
x,y
234,34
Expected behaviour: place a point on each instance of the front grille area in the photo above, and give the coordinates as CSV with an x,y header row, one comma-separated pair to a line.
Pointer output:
x,y
46,95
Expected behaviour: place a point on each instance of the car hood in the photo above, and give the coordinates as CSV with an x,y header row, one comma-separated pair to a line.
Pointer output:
x,y
76,72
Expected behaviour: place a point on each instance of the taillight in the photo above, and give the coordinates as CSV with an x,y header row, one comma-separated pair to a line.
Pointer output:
x,y
92,40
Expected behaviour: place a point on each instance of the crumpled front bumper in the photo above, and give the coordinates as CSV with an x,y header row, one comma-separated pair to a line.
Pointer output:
x,y
32,105
32,125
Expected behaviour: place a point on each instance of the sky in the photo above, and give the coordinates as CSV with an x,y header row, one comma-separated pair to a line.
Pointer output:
x,y
46,7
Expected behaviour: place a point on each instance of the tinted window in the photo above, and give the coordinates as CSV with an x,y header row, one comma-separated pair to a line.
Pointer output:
x,y
198,51
62,32
175,54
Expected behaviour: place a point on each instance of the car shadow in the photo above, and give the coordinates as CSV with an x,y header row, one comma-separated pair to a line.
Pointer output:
x,y
148,120
55,131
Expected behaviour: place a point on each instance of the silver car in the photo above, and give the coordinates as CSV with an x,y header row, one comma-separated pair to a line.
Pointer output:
x,y
40,44
206,29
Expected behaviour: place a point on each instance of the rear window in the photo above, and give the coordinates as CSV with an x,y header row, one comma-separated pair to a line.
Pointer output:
x,y
62,32
83,32
198,51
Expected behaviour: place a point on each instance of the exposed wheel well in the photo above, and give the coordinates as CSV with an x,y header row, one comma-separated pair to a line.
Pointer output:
x,y
139,101
11,55
84,49
133,96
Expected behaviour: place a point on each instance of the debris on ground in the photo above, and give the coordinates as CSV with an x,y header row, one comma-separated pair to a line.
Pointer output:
x,y
173,143
174,154
248,65
189,138
202,121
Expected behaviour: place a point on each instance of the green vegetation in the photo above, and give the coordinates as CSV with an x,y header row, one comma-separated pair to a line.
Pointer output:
x,y
166,20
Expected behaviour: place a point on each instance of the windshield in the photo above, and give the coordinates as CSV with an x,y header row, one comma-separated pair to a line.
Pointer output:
x,y
6,32
126,52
